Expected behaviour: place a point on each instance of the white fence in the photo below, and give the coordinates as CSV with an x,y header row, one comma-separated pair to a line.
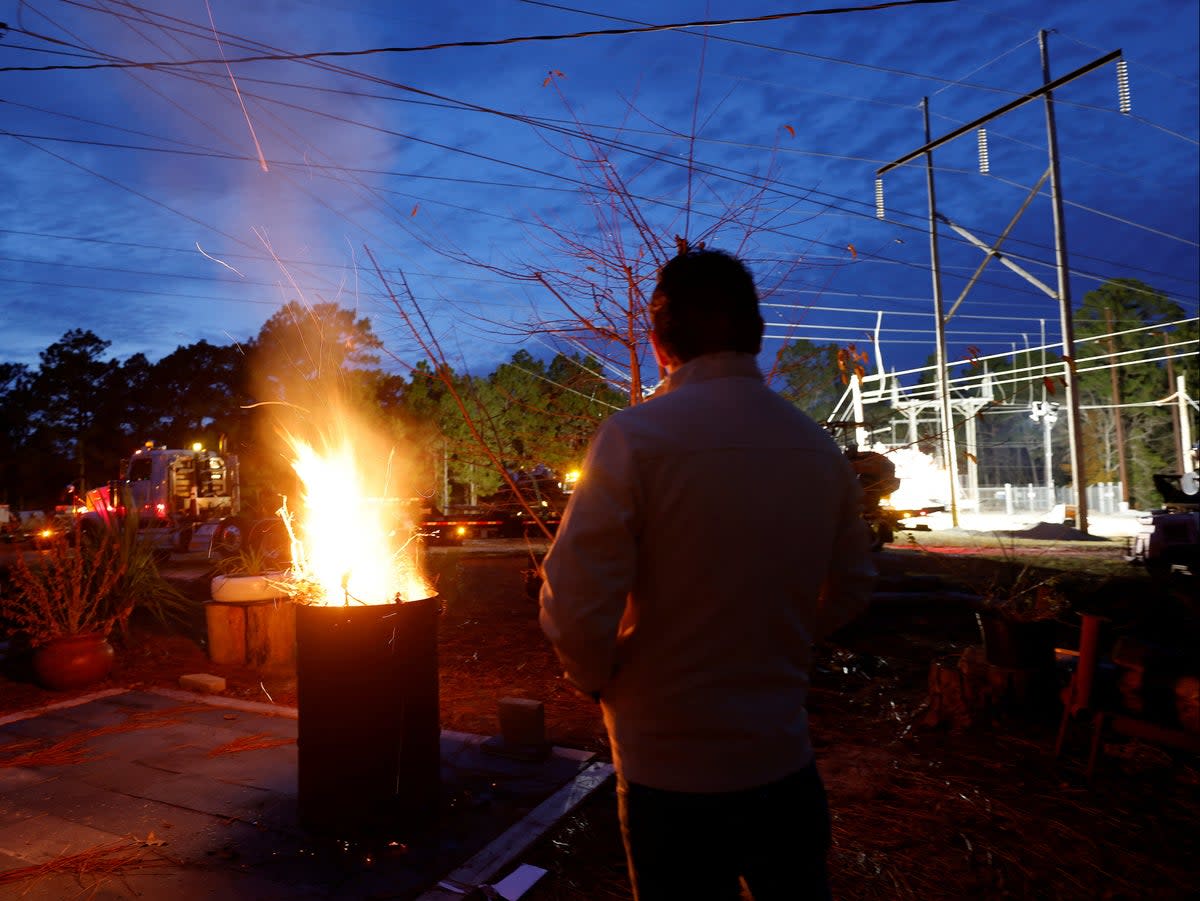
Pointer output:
x,y
1102,498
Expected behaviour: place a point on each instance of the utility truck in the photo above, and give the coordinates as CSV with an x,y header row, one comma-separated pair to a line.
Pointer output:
x,y
877,477
173,492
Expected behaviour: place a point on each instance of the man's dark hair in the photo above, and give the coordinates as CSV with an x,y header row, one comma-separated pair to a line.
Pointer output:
x,y
704,303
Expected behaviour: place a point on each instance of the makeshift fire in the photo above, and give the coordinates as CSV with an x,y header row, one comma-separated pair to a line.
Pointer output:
x,y
369,732
346,544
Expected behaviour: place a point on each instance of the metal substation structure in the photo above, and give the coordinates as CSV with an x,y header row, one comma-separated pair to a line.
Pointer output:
x,y
1062,293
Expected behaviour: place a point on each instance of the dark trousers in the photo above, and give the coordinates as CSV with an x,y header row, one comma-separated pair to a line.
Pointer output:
x,y
684,846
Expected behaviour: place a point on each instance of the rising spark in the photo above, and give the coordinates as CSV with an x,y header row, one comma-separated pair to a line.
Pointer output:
x,y
262,160
209,256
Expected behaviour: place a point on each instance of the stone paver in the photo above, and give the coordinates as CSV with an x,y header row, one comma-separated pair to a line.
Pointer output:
x,y
163,769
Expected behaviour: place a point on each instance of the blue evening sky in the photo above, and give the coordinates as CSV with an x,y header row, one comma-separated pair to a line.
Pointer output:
x,y
135,203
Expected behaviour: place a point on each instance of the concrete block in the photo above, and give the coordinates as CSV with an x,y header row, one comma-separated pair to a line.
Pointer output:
x,y
203,683
523,721
522,731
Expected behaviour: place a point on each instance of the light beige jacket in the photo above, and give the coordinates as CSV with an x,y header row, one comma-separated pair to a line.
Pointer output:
x,y
714,536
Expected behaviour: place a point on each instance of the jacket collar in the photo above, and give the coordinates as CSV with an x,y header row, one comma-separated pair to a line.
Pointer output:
x,y
724,365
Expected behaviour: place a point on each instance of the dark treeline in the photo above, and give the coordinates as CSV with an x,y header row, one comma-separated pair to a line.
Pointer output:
x,y
74,417
70,420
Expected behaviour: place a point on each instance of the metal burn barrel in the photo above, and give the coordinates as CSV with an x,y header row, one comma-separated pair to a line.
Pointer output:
x,y
368,735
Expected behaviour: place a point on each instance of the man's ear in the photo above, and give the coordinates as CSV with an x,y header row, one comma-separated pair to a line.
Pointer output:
x,y
666,361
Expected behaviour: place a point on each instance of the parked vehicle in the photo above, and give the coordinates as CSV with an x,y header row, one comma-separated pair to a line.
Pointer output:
x,y
458,524
540,506
176,492
172,492
877,477
1170,536
25,525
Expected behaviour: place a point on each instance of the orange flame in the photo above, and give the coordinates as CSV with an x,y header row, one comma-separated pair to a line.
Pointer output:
x,y
349,545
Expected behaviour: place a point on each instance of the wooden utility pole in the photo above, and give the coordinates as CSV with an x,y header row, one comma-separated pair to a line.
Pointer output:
x,y
1185,423
949,449
1066,314
1122,474
1181,452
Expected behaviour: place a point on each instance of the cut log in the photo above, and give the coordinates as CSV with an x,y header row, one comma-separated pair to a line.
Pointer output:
x,y
1187,703
226,632
270,633
258,634
966,690
952,694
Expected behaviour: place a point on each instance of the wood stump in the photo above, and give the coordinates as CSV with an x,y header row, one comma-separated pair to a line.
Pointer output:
x,y
226,632
258,633
965,690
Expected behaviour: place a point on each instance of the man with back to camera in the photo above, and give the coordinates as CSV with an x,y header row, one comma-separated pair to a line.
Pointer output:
x,y
714,535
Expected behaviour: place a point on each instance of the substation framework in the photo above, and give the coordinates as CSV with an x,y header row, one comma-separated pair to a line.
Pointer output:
x,y
1061,293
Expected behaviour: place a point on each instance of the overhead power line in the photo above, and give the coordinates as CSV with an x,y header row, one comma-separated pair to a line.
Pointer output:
x,y
789,51
349,169
575,182
618,145
446,45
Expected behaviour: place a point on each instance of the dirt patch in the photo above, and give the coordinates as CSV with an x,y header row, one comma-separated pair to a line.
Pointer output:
x,y
489,647
940,815
919,813
1050,531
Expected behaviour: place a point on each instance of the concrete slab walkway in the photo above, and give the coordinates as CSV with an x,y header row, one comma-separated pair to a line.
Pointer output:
x,y
169,794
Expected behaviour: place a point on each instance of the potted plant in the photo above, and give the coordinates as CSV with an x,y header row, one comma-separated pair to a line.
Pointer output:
x,y
254,573
249,617
65,602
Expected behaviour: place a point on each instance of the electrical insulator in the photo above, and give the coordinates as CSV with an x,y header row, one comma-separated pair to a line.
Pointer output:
x,y
879,198
1123,86
984,164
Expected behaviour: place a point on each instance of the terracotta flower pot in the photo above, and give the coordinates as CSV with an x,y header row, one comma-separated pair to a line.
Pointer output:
x,y
73,661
